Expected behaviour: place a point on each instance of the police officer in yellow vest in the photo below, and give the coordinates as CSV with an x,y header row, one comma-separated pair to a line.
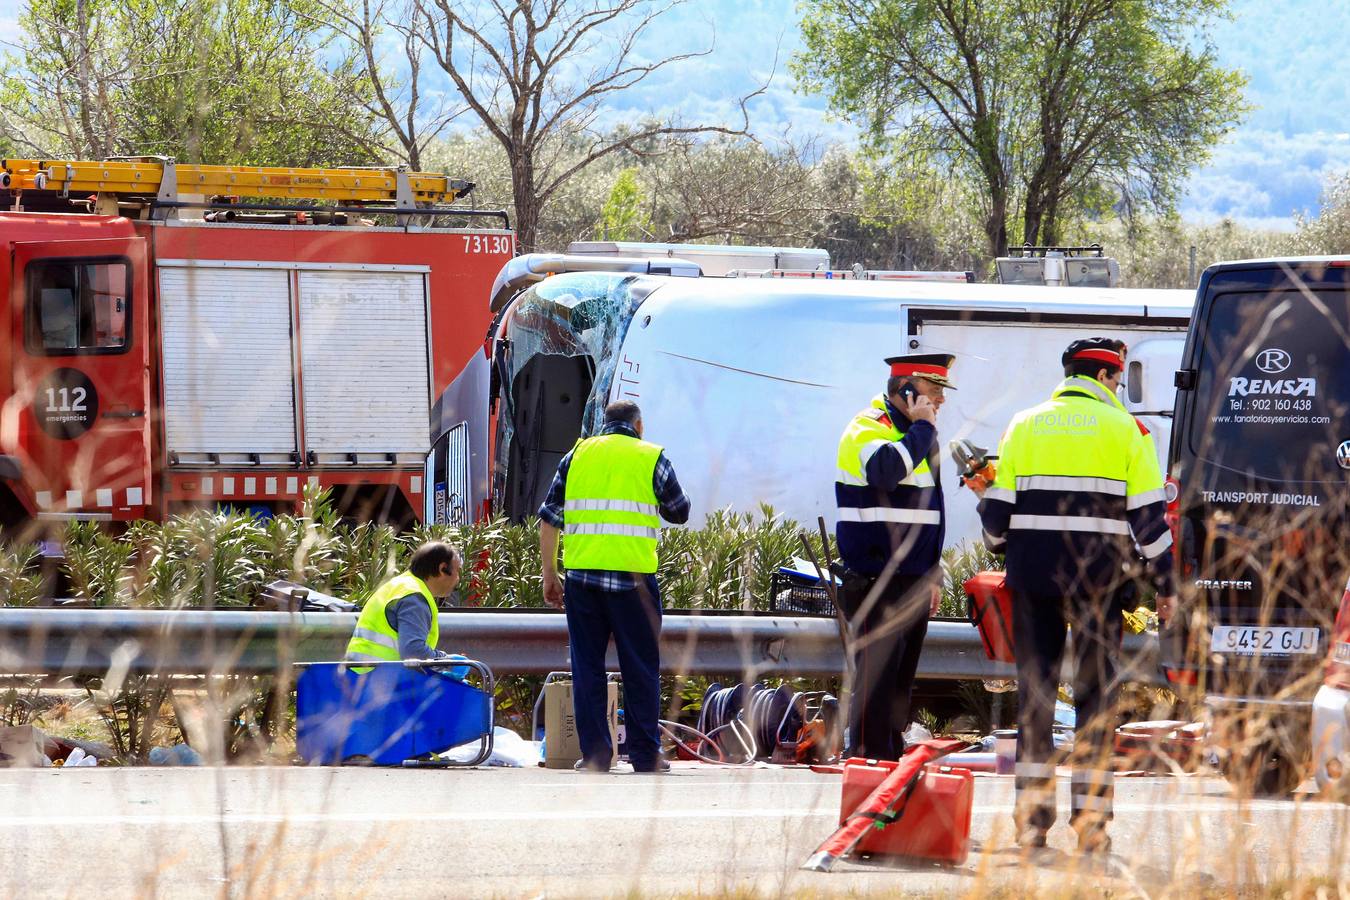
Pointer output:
x,y
890,528
1077,505
608,497
400,621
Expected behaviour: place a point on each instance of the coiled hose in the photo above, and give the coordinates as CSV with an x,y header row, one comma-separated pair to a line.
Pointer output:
x,y
741,724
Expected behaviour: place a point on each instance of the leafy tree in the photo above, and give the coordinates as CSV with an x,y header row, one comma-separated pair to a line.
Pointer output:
x,y
893,217
728,190
1155,252
622,217
738,190
1048,105
210,81
1328,232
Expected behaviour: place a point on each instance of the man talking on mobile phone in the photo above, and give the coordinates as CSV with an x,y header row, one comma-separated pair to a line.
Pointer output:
x,y
890,528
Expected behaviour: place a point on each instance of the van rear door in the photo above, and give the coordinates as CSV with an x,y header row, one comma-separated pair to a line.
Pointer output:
x,y
1260,454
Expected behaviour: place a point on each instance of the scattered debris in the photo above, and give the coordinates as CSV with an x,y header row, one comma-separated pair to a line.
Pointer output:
x,y
77,757
508,749
21,746
177,755
1162,746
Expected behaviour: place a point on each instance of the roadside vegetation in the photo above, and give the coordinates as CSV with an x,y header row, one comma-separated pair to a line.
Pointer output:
x,y
222,559
952,165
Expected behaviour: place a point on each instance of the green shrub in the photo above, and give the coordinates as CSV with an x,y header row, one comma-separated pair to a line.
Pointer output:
x,y
97,564
21,582
223,559
958,564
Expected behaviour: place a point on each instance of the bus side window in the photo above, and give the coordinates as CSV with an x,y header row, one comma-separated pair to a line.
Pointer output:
x,y
1135,383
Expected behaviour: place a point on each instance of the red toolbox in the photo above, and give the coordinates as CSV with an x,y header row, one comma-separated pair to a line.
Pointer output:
x,y
989,606
1150,745
935,822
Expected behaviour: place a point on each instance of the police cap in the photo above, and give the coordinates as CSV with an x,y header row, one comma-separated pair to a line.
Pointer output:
x,y
1104,350
934,367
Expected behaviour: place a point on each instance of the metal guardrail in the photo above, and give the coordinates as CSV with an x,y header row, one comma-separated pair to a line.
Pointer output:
x,y
521,642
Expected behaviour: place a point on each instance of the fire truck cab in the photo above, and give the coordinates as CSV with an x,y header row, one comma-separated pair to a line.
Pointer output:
x,y
167,350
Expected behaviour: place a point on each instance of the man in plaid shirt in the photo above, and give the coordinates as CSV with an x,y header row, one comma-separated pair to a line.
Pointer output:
x,y
607,496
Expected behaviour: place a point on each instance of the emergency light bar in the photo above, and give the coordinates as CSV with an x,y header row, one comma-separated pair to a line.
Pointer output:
x,y
856,274
1072,266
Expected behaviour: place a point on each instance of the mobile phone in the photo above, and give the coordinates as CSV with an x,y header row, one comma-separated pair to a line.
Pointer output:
x,y
908,393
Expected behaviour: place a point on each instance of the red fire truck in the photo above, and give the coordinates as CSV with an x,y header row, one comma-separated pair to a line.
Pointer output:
x,y
217,335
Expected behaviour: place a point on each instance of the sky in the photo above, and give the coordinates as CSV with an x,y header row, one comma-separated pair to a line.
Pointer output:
x,y
1270,168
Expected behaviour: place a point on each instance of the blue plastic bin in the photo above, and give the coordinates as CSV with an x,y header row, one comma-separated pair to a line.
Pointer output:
x,y
388,714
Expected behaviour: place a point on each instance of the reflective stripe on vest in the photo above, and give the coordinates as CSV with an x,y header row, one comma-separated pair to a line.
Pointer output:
x,y
646,509
867,434
610,510
890,514
1085,446
1068,523
373,638
1071,483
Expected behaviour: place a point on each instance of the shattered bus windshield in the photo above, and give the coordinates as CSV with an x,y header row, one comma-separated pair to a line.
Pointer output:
x,y
561,347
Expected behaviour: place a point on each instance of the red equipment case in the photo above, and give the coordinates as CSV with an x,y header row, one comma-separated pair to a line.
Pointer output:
x,y
1150,745
989,606
934,820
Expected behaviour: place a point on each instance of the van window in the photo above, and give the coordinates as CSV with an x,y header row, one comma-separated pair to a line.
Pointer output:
x,y
1273,397
78,306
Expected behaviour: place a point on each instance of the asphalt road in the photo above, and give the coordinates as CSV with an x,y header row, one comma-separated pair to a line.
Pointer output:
x,y
700,831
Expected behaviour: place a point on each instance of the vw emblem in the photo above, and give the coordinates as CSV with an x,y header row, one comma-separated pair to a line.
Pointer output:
x,y
1273,361
1343,455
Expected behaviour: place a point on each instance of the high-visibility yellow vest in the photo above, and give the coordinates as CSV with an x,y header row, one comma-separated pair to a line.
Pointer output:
x,y
873,523
867,433
1078,494
374,639
610,509
1072,443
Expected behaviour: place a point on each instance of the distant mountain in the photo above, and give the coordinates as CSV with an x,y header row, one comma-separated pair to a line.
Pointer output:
x,y
1271,167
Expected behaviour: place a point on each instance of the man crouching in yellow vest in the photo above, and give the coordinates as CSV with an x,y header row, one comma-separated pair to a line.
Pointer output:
x,y
610,494
400,621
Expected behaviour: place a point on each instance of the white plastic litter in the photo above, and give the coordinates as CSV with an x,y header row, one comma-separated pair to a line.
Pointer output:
x,y
916,733
508,749
78,757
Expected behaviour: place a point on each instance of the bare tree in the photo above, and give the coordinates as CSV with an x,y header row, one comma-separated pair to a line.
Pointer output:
x,y
398,100
740,190
537,72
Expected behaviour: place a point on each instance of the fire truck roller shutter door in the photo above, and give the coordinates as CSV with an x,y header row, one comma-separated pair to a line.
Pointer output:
x,y
363,340
228,383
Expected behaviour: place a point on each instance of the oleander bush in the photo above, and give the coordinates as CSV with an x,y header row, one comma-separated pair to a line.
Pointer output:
x,y
217,559
21,581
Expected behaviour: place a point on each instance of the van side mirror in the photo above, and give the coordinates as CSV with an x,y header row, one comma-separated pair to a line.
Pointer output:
x,y
1184,380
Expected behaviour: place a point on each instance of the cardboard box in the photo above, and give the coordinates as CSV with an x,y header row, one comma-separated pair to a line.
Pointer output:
x,y
562,747
21,745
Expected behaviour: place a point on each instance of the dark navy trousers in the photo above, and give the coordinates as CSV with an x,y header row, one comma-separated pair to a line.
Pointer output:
x,y
633,618
1040,629
888,638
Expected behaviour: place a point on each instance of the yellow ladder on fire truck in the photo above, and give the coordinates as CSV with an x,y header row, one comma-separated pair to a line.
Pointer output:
x,y
162,181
